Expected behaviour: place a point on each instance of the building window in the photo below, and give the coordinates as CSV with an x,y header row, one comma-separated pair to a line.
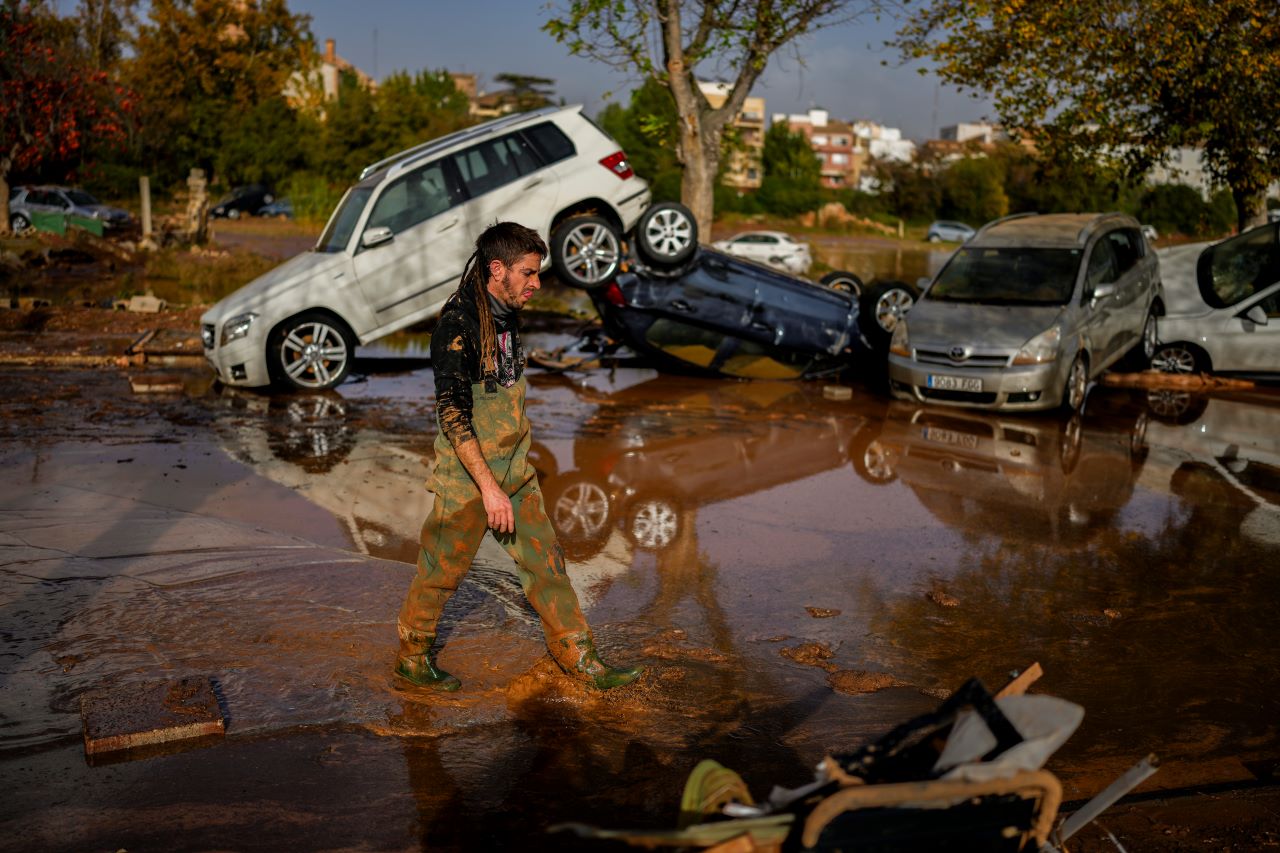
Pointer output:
x,y
753,174
842,141
839,159
820,139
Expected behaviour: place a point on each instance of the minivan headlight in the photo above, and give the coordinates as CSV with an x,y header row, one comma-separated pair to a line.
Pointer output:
x,y
899,344
237,327
1040,349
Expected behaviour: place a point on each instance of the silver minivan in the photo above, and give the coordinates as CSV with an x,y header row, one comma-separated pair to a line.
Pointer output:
x,y
1028,312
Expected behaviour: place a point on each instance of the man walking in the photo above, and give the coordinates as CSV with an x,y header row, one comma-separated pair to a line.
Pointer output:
x,y
483,479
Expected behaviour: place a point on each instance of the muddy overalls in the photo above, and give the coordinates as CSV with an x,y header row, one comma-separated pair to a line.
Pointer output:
x,y
452,532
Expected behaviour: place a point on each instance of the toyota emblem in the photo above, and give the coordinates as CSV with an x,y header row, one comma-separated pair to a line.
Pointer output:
x,y
957,353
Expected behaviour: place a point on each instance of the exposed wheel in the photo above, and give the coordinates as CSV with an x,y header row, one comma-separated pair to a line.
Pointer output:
x,y
19,223
1179,358
311,432
934,238
1170,406
884,304
667,234
311,352
585,251
652,523
1077,385
845,282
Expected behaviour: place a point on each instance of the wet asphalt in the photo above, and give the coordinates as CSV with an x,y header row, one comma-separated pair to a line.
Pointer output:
x,y
799,575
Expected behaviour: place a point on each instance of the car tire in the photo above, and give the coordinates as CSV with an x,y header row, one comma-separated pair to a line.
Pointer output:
x,y
666,235
872,460
233,213
1076,388
267,199
884,304
586,251
310,352
934,238
845,282
19,223
1139,355
1180,357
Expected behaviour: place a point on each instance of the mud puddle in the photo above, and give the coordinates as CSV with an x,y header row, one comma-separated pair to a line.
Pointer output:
x,y
710,526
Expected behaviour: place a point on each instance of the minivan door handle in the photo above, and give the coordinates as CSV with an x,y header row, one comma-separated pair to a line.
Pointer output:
x,y
448,225
533,183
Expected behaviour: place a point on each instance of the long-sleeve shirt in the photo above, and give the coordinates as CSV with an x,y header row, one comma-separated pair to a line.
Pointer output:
x,y
455,361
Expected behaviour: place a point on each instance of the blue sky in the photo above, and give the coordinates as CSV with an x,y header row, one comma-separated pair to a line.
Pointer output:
x,y
841,69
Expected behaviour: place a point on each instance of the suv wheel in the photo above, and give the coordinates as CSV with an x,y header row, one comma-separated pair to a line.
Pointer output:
x,y
845,282
19,223
1179,358
667,234
311,352
585,251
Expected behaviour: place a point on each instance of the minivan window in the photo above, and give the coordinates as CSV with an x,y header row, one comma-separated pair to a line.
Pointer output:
x,y
412,198
550,142
1236,269
336,237
1103,268
995,276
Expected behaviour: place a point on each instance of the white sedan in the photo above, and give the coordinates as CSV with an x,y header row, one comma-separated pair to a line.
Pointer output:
x,y
1222,305
774,248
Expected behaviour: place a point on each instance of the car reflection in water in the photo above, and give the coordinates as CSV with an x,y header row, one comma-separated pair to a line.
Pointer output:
x,y
1035,478
647,459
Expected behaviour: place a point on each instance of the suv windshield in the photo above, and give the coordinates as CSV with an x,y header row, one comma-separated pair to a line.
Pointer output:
x,y
336,237
995,276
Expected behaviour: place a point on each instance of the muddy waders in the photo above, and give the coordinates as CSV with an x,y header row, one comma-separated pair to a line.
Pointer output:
x,y
452,534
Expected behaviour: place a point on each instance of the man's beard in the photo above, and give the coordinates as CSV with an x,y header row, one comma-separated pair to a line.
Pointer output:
x,y
508,296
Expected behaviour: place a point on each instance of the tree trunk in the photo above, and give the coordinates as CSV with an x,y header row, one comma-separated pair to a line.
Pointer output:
x,y
1251,208
6,163
701,158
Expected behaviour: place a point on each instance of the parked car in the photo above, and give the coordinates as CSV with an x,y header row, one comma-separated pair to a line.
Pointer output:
x,y
281,208
1028,312
241,201
1222,305
66,200
953,232
769,247
394,249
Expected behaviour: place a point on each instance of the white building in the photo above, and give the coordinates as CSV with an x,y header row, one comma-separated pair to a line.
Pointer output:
x,y
979,131
884,143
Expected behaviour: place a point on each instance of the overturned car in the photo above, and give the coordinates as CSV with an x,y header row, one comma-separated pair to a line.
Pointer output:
x,y
693,308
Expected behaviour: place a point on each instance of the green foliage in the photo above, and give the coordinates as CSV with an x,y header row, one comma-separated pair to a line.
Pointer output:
x,y
973,190
1128,78
910,190
646,130
792,174
313,197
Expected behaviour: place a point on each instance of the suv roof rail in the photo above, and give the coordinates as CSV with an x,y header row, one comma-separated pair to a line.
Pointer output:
x,y
433,146
993,223
1093,224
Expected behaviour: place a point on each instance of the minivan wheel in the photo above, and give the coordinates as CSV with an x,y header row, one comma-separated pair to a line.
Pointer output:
x,y
845,282
666,234
585,251
1077,385
884,305
311,352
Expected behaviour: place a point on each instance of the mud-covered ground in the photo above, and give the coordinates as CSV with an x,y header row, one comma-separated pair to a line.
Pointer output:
x,y
798,574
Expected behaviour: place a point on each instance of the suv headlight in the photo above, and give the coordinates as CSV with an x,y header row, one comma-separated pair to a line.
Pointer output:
x,y
899,344
1041,349
237,327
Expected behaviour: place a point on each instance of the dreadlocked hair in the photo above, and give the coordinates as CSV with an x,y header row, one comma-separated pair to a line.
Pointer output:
x,y
507,242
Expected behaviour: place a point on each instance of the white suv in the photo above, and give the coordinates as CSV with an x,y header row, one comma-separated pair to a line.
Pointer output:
x,y
394,248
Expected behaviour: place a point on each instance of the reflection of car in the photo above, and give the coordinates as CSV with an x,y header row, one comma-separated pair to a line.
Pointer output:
x,y
648,472
281,207
1222,305
953,232
1027,312
246,200
75,202
394,249
1030,478
769,247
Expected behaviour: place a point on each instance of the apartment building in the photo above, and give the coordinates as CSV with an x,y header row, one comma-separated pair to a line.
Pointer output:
x,y
745,169
833,142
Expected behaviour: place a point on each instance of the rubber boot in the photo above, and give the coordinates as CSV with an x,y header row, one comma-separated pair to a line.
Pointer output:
x,y
414,663
576,654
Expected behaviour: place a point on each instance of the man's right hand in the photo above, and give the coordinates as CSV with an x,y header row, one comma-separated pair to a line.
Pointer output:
x,y
497,506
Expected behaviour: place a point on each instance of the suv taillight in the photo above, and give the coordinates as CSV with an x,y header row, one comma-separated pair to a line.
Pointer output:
x,y
617,163
613,295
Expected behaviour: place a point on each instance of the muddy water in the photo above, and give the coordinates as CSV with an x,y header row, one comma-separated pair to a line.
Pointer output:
x,y
798,574
869,258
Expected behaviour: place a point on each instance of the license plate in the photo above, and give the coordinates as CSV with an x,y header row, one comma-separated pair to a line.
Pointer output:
x,y
954,383
951,437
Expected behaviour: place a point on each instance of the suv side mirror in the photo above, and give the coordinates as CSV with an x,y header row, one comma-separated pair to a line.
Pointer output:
x,y
376,236
1256,315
